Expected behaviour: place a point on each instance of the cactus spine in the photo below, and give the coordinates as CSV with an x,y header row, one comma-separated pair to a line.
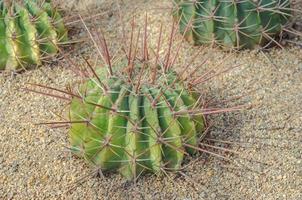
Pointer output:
x,y
29,33
228,23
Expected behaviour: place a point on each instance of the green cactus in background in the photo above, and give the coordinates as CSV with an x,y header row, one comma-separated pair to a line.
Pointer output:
x,y
29,32
229,23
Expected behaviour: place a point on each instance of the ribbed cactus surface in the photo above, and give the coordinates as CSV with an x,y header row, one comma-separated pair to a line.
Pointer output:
x,y
229,23
121,126
29,32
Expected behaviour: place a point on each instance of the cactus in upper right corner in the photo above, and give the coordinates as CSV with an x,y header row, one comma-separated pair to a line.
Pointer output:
x,y
232,24
28,33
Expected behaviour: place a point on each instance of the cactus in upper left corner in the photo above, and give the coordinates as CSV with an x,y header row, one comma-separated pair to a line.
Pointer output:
x,y
29,32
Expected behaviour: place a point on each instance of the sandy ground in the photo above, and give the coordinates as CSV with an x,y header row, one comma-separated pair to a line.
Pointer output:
x,y
34,163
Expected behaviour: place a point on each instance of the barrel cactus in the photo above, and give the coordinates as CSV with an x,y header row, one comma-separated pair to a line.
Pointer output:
x,y
29,32
232,24
136,113
131,125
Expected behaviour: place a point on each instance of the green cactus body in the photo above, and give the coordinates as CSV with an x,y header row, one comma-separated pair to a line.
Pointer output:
x,y
134,129
12,46
3,51
26,37
28,33
57,22
239,24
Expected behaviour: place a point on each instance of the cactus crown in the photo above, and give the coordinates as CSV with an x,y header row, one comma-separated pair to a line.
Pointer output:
x,y
233,24
29,32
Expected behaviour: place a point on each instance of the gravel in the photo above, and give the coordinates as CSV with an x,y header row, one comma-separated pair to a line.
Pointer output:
x,y
35,163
